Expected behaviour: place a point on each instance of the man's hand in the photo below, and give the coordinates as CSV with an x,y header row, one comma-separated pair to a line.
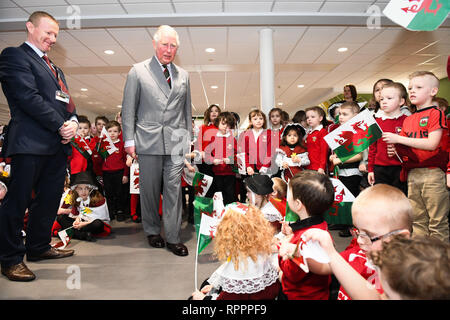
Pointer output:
x,y
68,131
131,151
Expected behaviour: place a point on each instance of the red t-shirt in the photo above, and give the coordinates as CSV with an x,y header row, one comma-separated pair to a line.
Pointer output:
x,y
358,260
419,125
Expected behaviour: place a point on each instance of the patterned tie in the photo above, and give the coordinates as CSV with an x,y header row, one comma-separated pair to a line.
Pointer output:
x,y
70,105
167,75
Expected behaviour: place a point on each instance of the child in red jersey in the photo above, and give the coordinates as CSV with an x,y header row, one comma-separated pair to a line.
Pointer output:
x,y
82,148
310,195
316,145
292,156
115,174
206,132
422,145
379,213
255,142
381,167
221,152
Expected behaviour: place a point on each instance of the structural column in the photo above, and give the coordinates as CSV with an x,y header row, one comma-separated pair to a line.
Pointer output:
x,y
266,70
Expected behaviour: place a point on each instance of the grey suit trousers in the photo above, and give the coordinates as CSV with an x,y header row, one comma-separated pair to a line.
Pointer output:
x,y
152,170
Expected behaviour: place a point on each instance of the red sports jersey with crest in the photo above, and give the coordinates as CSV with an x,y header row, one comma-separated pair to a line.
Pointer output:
x,y
419,125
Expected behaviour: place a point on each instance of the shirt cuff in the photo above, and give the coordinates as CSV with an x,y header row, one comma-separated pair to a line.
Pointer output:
x,y
129,143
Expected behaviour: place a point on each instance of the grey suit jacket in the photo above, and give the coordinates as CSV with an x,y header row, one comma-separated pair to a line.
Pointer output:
x,y
157,118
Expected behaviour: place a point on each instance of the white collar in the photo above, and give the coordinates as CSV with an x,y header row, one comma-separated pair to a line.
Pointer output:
x,y
219,134
380,114
318,128
250,278
169,65
257,133
36,49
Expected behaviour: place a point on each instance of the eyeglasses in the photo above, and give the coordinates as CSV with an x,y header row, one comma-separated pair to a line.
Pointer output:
x,y
368,240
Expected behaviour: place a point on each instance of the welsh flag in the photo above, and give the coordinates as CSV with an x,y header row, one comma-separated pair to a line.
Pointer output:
x,y
418,15
201,184
81,145
341,210
354,136
65,236
105,147
309,250
207,215
290,216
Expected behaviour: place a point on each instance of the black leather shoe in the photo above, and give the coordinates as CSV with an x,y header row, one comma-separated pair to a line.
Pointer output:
x,y
18,272
178,249
51,253
156,241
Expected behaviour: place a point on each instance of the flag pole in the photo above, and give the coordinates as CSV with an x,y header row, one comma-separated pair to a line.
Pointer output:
x,y
196,262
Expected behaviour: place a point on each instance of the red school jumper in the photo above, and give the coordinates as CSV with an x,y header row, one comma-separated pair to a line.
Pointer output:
x,y
317,149
378,150
297,284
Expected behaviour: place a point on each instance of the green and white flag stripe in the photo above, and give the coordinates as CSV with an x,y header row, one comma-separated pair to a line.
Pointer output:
x,y
354,136
341,210
418,15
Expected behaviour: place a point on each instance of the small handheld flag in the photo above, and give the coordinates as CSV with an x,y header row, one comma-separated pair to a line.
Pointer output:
x,y
354,136
418,15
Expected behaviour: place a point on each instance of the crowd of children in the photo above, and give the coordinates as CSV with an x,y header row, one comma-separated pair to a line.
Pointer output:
x,y
402,201
400,184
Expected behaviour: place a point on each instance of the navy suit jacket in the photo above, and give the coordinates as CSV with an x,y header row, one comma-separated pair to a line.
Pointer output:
x,y
36,116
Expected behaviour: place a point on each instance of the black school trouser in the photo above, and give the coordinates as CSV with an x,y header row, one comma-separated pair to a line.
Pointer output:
x,y
390,175
45,175
95,227
227,185
114,193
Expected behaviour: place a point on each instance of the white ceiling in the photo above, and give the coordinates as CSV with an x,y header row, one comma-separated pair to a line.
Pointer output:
x,y
305,52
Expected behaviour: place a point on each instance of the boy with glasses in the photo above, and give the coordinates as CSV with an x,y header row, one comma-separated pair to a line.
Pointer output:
x,y
379,213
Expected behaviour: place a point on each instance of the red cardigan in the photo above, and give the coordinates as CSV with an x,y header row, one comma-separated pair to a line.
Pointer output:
x,y
257,153
298,285
205,135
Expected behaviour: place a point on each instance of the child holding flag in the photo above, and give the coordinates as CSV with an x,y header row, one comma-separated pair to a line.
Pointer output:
x,y
259,190
292,156
381,167
243,244
115,173
221,152
84,208
348,171
82,148
316,145
310,195
422,145
380,213
255,143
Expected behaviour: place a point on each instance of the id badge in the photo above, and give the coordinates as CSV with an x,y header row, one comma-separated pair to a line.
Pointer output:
x,y
62,96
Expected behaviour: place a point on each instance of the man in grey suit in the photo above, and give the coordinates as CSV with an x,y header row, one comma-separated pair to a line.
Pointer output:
x,y
157,123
